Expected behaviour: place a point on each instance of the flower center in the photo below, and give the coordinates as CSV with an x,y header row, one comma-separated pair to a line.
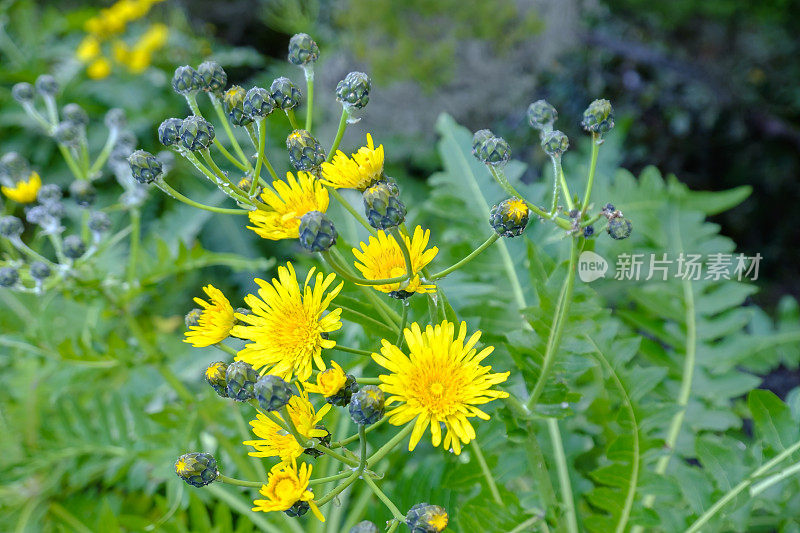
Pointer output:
x,y
436,389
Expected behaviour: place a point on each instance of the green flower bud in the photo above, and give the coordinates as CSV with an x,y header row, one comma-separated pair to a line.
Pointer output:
x,y
99,222
299,508
241,377
83,192
302,49
382,206
317,232
196,133
542,115
215,375
40,270
284,93
169,131
619,228
74,247
345,394
37,215
23,92
555,143
490,149
11,226
115,119
145,167
598,117
75,114
510,217
192,318
14,167
187,80
257,103
426,518
325,441
8,277
68,134
234,106
47,85
55,209
49,193
353,90
272,392
588,231
368,405
213,75
197,469
364,526
305,152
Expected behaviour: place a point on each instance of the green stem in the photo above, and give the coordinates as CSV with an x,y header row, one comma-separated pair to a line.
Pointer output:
x,y
239,482
232,189
502,180
24,248
229,156
136,231
337,456
592,168
309,71
362,440
338,489
557,328
339,133
71,163
554,205
161,184
176,384
351,350
328,479
105,153
262,144
386,448
564,187
486,472
403,321
225,348
353,438
368,381
563,475
385,499
475,253
229,132
292,119
352,210
760,487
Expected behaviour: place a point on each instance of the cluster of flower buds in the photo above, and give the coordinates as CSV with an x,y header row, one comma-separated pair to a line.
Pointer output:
x,y
619,227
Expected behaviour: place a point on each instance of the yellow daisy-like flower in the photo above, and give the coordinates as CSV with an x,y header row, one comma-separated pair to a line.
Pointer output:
x,y
329,381
290,200
25,191
517,208
287,325
364,169
440,381
273,441
215,322
382,258
285,487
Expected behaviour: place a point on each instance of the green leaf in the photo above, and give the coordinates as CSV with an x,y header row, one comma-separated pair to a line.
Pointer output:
x,y
773,419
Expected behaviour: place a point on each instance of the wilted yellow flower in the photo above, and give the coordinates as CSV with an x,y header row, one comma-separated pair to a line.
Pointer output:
x,y
24,191
215,321
382,258
440,381
364,169
290,200
329,381
287,327
285,487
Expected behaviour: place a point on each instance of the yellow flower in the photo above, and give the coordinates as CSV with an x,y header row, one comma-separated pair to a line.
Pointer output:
x,y
364,169
215,322
291,200
154,38
287,325
273,441
88,49
138,60
440,381
285,487
382,258
517,208
329,381
99,68
25,191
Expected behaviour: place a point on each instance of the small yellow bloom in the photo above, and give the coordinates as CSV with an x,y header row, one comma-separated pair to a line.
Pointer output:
x,y
99,68
517,208
382,258
273,441
438,520
329,381
285,487
215,322
88,49
363,170
139,60
440,381
154,38
25,191
291,200
287,327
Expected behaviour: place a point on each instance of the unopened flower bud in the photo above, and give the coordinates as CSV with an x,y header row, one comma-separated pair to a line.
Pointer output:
x,y
99,222
83,192
299,508
196,133
426,518
215,375
368,405
588,231
598,117
145,167
542,115
55,209
74,247
115,119
317,233
284,93
382,206
9,276
213,75
47,85
619,228
555,143
302,49
23,92
305,152
11,226
14,167
258,103
353,90
234,106
40,270
169,131
49,193
241,377
68,134
510,217
192,318
364,526
187,80
197,469
75,114
490,149
272,392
